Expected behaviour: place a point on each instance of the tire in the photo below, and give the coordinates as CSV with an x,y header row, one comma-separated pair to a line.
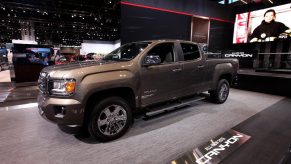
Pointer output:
x,y
109,119
220,95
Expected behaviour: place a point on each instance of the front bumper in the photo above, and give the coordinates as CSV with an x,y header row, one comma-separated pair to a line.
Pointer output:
x,y
61,111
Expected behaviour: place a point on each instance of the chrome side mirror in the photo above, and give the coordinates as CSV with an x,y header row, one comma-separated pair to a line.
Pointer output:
x,y
152,60
205,48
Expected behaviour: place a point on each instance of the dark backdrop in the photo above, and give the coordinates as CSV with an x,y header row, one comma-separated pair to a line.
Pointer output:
x,y
220,35
138,23
195,7
146,24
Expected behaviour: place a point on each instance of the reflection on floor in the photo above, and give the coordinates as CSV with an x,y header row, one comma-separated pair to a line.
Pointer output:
x,y
9,92
25,137
5,76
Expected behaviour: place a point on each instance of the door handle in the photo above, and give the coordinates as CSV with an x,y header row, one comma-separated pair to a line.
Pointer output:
x,y
200,66
177,70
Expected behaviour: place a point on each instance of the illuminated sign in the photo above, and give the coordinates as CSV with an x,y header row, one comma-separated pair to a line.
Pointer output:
x,y
214,150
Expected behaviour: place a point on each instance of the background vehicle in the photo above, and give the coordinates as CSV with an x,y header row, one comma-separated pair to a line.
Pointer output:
x,y
94,56
68,59
3,66
102,96
3,59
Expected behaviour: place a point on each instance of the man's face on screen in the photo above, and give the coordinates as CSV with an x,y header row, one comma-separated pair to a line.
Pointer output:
x,y
269,16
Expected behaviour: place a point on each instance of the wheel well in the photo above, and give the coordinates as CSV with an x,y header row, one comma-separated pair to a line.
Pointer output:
x,y
125,93
226,77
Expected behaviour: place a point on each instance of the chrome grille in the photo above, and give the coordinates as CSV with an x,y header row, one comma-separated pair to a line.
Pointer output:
x,y
43,82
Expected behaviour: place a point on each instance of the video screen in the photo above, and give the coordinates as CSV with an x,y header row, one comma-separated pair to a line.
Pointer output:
x,y
263,25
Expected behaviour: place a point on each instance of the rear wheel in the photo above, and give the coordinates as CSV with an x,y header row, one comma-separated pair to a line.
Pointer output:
x,y
220,95
110,119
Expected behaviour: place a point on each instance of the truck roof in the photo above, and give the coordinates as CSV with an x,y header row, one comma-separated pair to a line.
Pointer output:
x,y
166,40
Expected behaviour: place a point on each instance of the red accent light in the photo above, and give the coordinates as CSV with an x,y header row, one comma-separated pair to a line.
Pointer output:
x,y
170,11
221,20
155,8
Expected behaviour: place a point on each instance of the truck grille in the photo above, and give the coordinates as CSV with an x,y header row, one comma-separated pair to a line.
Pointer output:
x,y
43,82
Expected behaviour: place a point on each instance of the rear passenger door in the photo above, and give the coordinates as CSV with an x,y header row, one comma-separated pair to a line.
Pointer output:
x,y
193,68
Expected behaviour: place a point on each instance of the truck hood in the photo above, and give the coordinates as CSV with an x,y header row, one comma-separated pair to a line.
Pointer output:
x,y
76,65
79,69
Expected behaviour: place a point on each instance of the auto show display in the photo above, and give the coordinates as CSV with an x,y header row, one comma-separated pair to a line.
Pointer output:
x,y
28,60
102,96
3,58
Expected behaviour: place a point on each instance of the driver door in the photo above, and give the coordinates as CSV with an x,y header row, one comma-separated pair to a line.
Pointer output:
x,y
161,82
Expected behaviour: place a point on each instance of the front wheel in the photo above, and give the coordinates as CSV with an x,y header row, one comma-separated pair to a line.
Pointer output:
x,y
220,94
110,119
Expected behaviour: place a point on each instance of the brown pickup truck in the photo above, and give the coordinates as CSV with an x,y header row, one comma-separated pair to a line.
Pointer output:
x,y
102,96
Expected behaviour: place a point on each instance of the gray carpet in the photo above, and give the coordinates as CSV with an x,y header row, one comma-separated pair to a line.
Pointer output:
x,y
25,137
271,136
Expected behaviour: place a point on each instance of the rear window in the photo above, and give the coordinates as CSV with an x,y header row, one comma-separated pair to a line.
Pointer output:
x,y
190,51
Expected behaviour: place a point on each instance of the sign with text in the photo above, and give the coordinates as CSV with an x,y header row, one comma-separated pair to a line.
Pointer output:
x,y
245,58
215,150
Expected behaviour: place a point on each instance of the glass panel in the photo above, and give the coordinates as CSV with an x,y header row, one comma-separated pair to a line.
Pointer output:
x,y
165,51
190,51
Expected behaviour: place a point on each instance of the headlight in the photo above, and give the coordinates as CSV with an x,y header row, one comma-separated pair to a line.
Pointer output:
x,y
62,87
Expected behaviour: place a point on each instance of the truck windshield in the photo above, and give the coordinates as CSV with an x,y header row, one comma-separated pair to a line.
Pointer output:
x,y
127,52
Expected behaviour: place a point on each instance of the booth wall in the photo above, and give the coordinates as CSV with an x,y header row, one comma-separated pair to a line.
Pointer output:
x,y
151,19
145,24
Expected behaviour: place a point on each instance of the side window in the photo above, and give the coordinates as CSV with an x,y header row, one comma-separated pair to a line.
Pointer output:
x,y
190,51
164,51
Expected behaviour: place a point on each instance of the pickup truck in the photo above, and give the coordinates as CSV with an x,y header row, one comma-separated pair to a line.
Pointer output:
x,y
103,96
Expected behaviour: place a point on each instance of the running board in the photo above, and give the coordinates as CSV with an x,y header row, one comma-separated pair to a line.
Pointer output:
x,y
173,106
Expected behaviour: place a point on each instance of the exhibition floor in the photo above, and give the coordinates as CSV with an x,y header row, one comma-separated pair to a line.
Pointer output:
x,y
10,94
25,137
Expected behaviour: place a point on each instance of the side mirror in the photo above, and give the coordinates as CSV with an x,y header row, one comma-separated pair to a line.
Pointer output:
x,y
152,60
205,48
115,57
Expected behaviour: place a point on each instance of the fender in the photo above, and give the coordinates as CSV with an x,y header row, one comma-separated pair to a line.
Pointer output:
x,y
101,81
219,70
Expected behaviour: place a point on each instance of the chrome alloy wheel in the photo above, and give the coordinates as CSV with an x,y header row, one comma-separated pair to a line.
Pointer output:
x,y
112,120
223,92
